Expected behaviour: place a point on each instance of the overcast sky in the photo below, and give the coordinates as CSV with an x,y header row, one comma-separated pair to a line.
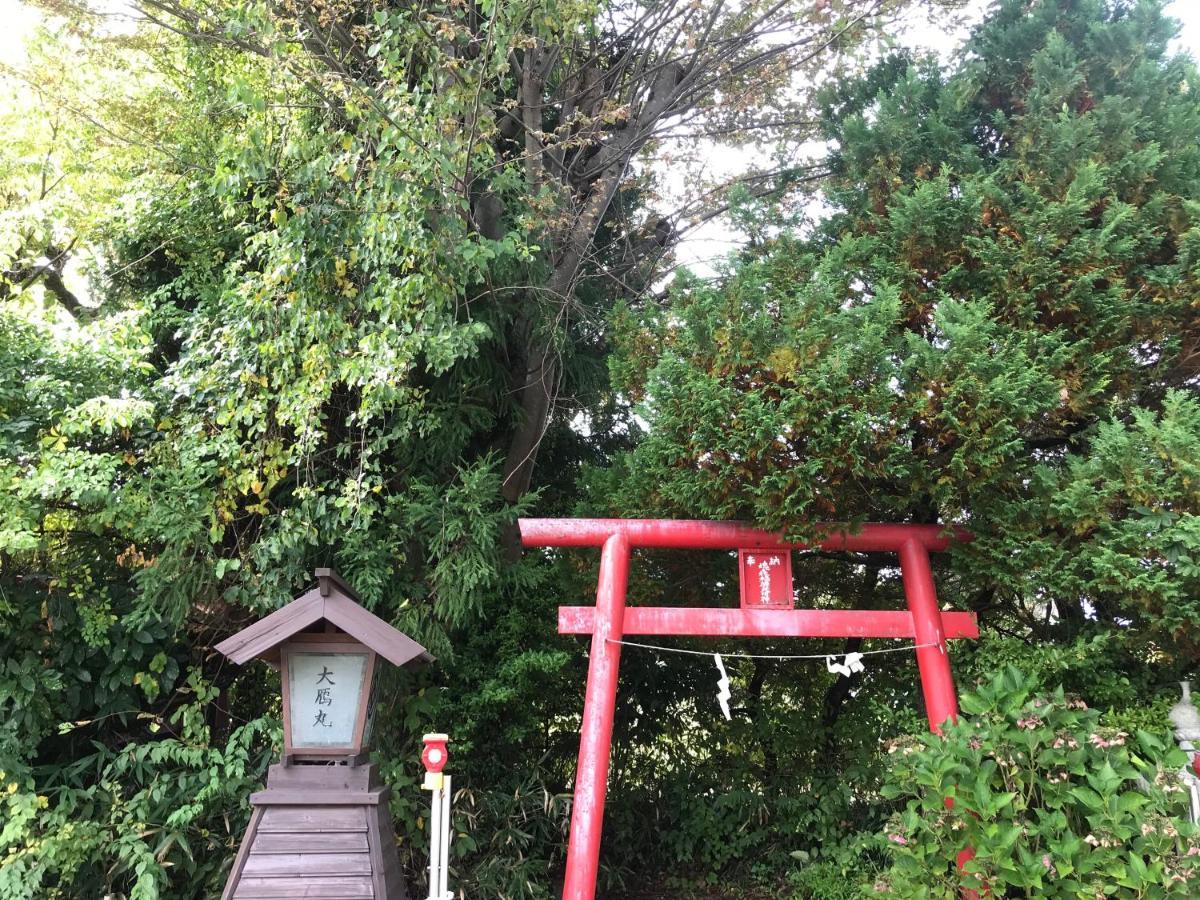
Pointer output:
x,y
713,241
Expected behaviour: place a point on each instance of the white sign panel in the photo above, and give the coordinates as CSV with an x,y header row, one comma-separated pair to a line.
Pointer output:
x,y
324,693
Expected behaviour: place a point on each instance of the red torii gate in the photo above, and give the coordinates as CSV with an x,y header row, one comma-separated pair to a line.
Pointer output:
x,y
609,622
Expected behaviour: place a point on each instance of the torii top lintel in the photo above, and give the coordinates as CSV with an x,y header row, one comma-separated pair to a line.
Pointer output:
x,y
687,534
683,534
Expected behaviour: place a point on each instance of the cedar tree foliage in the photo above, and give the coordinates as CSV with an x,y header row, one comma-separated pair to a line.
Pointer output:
x,y
993,325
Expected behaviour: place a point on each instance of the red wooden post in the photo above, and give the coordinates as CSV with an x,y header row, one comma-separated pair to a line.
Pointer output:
x,y
595,739
933,662
937,681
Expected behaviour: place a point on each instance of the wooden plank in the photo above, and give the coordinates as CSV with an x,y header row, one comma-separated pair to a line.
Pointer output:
x,y
324,778
704,622
264,634
378,875
337,607
321,819
390,643
239,861
265,864
324,888
328,578
393,877
311,842
289,797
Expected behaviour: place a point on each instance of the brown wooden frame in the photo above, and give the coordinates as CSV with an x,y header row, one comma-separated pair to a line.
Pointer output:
x,y
329,643
333,603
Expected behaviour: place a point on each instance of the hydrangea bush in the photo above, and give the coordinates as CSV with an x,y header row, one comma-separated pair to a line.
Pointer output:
x,y
1052,803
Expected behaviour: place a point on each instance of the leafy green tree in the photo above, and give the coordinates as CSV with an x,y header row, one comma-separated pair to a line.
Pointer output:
x,y
62,170
547,106
989,320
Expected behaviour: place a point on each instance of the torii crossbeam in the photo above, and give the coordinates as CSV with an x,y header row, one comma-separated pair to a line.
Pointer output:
x,y
609,622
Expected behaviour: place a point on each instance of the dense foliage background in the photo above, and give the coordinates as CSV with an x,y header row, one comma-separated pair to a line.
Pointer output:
x,y
301,284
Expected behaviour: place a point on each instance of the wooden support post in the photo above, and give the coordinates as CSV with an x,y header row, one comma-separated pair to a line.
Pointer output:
x,y
937,679
933,662
595,740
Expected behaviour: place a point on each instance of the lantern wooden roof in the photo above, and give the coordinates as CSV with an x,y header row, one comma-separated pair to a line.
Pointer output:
x,y
332,601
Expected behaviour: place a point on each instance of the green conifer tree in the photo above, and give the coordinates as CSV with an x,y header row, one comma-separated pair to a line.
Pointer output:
x,y
995,326
992,323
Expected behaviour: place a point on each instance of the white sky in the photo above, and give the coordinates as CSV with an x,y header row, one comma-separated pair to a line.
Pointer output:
x,y
709,244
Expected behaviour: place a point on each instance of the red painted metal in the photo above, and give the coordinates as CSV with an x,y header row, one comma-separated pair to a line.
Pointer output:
x,y
684,534
797,623
595,739
435,755
765,579
937,681
609,621
965,856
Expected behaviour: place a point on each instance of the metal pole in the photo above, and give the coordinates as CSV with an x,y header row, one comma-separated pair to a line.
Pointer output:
x,y
435,840
933,662
444,846
595,739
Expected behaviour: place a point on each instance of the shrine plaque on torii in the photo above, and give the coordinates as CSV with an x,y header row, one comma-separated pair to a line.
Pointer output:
x,y
765,578
766,611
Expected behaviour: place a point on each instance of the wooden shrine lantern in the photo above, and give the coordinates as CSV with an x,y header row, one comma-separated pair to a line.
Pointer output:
x,y
322,826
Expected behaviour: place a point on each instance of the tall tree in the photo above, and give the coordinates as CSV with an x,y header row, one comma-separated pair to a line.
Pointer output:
x,y
564,100
988,321
994,326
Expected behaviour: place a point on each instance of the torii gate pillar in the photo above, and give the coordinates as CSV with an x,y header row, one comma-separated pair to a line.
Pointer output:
x,y
608,624
595,736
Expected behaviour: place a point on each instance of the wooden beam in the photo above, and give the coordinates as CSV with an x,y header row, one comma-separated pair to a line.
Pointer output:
x,y
326,602
393,645
694,535
705,622
288,797
266,633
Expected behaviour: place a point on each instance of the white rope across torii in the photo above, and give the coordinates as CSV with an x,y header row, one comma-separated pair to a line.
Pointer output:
x,y
904,648
851,662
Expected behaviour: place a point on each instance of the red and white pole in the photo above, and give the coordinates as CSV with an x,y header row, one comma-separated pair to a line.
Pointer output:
x,y
435,756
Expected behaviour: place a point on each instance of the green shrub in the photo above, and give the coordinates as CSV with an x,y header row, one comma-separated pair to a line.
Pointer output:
x,y
824,881
1053,804
845,872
